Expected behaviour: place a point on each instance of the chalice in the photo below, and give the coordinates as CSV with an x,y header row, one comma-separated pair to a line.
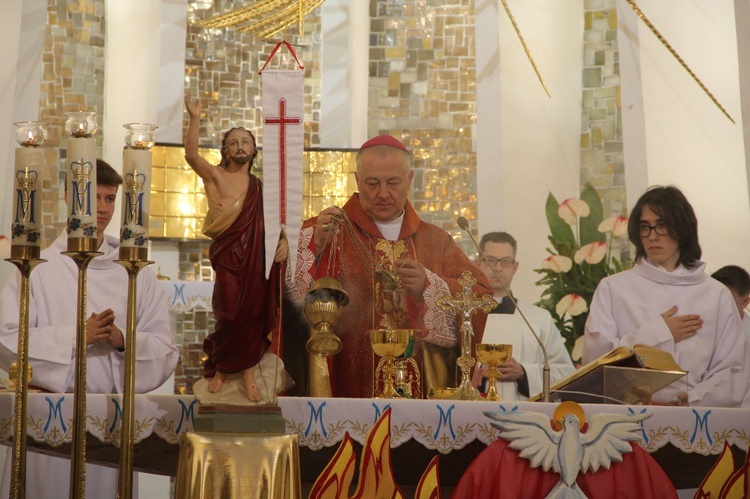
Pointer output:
x,y
493,354
389,344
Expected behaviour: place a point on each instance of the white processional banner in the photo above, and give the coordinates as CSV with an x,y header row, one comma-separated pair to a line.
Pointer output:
x,y
283,145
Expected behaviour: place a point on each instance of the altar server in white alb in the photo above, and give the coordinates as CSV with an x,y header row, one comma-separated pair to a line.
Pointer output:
x,y
52,338
522,374
738,281
668,301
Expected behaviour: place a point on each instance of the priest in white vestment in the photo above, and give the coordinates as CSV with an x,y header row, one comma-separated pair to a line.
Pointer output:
x,y
668,301
52,338
522,374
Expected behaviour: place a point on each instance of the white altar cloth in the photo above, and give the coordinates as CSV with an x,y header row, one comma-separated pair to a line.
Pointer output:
x,y
436,424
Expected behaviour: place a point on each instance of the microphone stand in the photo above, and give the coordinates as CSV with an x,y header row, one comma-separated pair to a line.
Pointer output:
x,y
464,225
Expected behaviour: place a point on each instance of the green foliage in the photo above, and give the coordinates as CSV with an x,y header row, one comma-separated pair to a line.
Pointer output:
x,y
583,278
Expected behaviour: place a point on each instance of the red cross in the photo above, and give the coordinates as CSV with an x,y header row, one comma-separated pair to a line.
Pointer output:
x,y
282,121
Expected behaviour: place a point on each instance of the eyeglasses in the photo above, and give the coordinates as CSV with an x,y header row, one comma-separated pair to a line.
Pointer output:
x,y
506,262
644,230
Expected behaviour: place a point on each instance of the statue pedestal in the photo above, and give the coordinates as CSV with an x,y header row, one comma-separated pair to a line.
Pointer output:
x,y
240,419
238,466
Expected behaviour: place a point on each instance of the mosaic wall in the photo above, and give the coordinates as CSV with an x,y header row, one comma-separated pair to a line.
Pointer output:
x,y
221,67
423,90
72,80
602,159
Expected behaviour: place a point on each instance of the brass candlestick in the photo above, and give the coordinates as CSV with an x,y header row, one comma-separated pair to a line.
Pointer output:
x,y
82,257
466,304
25,258
493,354
324,305
133,257
133,264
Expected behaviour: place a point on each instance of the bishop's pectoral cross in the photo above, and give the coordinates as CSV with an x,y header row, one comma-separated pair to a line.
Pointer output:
x,y
466,304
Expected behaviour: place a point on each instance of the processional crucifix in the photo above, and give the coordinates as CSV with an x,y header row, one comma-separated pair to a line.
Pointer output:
x,y
467,304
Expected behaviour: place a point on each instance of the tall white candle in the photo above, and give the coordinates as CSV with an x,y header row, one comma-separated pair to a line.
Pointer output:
x,y
81,190
136,199
27,205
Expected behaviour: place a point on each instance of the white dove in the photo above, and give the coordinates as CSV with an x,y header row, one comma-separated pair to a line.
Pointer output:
x,y
568,451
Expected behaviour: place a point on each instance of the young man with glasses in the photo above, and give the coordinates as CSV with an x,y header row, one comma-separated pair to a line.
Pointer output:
x,y
522,374
668,301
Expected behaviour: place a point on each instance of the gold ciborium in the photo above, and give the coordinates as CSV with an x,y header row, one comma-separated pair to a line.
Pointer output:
x,y
493,354
389,344
324,304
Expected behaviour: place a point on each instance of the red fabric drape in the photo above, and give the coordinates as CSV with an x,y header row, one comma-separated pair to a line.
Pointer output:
x,y
498,472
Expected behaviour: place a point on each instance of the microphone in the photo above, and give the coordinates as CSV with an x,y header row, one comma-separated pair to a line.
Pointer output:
x,y
463,224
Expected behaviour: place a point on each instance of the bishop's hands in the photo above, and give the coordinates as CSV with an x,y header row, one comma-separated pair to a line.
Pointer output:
x,y
682,327
101,327
325,225
412,277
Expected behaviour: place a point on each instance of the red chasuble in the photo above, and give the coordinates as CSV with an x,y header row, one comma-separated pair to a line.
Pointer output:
x,y
372,306
245,303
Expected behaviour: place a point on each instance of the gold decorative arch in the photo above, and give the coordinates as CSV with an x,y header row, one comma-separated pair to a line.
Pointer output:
x,y
264,18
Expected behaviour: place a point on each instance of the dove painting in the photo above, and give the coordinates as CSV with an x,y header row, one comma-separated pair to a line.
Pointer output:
x,y
568,457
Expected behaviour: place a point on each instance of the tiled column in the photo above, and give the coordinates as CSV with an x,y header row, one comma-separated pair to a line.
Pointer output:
x,y
602,159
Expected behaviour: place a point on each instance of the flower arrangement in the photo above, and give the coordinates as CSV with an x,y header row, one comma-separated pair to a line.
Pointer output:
x,y
580,257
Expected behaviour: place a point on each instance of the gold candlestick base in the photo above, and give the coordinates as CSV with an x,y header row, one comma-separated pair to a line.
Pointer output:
x,y
82,259
25,258
125,473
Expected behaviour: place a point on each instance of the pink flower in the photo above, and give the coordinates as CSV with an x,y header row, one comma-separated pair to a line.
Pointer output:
x,y
558,263
618,226
4,248
572,208
592,253
572,304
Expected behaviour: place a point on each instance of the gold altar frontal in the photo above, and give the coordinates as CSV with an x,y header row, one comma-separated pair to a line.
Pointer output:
x,y
238,465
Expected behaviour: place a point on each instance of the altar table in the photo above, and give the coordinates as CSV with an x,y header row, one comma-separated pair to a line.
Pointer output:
x,y
684,440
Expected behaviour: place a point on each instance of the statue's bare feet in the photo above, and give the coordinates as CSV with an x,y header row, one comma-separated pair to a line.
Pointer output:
x,y
248,382
216,382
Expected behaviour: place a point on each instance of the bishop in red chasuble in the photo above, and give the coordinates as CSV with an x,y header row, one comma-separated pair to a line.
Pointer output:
x,y
378,229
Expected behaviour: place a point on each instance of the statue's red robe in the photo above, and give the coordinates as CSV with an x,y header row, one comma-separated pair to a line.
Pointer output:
x,y
245,303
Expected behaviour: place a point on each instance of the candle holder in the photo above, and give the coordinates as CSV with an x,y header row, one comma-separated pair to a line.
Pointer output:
x,y
80,124
139,138
31,133
466,304
82,259
140,135
25,255
125,472
21,380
